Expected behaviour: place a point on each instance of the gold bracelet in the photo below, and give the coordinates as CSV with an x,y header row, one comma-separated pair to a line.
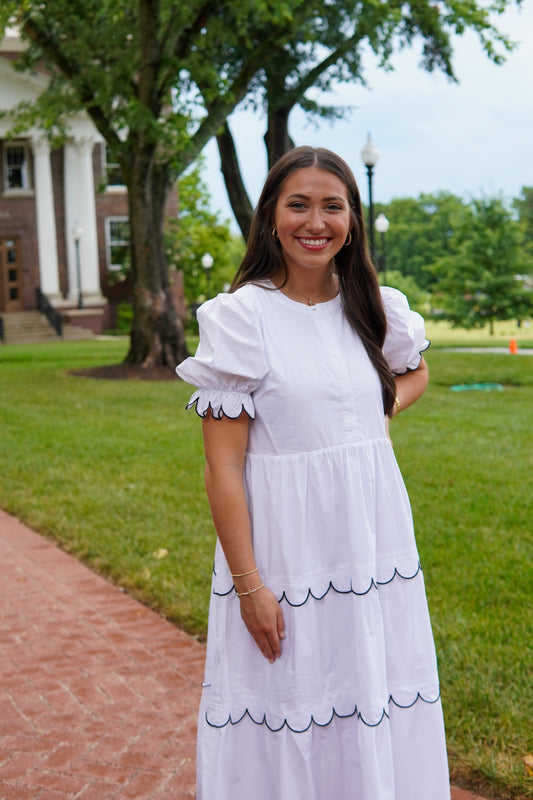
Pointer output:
x,y
398,404
250,591
243,574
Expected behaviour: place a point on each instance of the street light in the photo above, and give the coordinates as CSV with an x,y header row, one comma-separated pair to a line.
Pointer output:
x,y
382,226
370,155
207,263
77,233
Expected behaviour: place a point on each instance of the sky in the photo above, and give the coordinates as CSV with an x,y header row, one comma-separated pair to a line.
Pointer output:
x,y
473,138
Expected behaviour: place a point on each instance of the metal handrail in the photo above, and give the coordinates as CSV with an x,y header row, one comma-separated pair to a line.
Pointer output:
x,y
45,307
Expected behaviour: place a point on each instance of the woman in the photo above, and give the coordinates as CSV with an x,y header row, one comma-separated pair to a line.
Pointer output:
x,y
321,677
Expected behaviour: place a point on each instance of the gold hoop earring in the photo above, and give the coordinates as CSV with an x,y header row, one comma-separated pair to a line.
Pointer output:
x,y
274,233
348,239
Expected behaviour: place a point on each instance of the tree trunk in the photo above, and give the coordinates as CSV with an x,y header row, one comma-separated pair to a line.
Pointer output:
x,y
277,139
237,194
157,336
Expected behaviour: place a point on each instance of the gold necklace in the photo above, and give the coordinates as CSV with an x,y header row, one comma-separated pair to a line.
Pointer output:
x,y
310,298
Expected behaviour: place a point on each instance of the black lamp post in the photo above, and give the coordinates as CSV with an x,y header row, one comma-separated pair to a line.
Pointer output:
x,y
77,233
370,155
382,226
207,264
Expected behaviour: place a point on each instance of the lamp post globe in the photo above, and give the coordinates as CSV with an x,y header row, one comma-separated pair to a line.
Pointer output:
x,y
382,223
370,155
382,226
207,263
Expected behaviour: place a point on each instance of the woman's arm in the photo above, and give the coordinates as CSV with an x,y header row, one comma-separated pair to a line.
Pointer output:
x,y
410,386
225,447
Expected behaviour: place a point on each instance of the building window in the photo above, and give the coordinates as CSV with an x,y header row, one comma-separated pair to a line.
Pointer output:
x,y
16,167
112,169
118,244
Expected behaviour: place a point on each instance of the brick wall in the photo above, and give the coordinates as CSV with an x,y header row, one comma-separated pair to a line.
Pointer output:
x,y
17,221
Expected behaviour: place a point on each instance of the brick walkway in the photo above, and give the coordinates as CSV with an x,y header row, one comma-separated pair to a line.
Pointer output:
x,y
98,694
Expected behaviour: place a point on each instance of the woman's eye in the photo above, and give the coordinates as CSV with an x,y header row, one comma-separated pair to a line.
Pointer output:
x,y
296,204
333,207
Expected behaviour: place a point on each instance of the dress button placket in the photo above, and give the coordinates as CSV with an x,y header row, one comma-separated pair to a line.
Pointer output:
x,y
330,332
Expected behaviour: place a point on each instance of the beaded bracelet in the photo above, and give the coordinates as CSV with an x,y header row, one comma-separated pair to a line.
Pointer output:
x,y
398,404
250,591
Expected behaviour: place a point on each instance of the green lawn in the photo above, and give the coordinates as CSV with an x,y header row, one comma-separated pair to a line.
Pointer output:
x,y
443,335
113,471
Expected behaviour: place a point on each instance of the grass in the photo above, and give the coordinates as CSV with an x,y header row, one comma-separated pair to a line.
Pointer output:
x,y
443,335
113,471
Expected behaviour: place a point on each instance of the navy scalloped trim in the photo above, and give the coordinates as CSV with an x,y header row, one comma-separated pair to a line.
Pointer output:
x,y
221,414
373,584
428,345
312,721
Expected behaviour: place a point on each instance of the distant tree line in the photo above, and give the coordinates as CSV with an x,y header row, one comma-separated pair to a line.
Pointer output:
x,y
470,262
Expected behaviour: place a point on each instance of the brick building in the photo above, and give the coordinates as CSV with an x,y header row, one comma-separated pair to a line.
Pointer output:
x,y
63,213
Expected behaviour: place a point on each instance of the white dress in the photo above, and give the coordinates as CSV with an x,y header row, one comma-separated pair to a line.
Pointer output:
x,y
352,709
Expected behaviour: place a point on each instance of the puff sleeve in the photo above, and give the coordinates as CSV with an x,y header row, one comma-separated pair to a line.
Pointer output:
x,y
405,340
229,362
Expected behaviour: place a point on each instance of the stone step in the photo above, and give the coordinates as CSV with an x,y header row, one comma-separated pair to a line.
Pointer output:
x,y
74,332
32,327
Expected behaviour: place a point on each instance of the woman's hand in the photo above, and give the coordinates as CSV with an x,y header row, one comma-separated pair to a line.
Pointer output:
x,y
263,617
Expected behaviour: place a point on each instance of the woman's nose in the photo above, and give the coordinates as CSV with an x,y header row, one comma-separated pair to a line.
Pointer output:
x,y
316,220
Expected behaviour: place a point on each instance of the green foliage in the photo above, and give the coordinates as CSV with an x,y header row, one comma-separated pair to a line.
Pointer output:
x,y
124,318
524,207
422,230
137,68
471,261
326,40
486,278
419,300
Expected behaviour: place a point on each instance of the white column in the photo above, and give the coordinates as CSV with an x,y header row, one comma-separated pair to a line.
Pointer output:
x,y
46,220
90,271
72,214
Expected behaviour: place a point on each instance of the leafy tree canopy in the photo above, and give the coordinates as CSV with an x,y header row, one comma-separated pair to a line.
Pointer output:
x,y
523,204
421,231
487,278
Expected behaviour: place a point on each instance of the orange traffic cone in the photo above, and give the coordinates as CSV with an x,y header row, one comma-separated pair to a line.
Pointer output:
x,y
513,347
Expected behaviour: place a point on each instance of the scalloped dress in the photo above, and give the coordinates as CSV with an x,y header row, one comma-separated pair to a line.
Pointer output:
x,y
352,708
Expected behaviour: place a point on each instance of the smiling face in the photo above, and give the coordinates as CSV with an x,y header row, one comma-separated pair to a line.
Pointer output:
x,y
312,219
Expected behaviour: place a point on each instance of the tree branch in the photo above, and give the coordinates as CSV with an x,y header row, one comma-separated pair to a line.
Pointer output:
x,y
237,194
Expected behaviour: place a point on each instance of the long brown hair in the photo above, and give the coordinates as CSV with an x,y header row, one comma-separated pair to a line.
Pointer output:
x,y
359,287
